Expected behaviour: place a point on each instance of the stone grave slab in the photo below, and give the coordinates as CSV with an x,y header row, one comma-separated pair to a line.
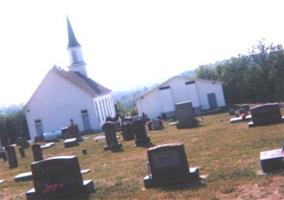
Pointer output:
x,y
168,166
26,176
58,178
140,133
37,152
71,142
185,115
240,119
47,145
85,171
2,181
12,158
271,160
110,136
265,114
157,124
127,130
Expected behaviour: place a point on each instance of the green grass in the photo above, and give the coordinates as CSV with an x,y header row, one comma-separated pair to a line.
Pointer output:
x,y
227,153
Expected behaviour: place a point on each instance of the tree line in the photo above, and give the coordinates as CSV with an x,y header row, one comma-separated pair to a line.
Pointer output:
x,y
254,78
12,125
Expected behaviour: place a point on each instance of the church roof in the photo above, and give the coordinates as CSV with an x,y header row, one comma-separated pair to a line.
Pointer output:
x,y
72,41
83,82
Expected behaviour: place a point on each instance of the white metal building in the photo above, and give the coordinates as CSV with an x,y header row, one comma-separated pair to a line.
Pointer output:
x,y
204,95
64,95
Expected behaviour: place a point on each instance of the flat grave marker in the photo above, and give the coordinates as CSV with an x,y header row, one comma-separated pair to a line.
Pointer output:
x,y
71,142
47,145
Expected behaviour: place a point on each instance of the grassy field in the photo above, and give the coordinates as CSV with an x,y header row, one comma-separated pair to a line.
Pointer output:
x,y
227,153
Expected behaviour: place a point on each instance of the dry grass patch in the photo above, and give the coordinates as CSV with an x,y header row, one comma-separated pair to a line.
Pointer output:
x,y
228,153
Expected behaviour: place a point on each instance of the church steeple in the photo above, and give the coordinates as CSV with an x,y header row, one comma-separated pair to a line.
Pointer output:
x,y
72,41
74,49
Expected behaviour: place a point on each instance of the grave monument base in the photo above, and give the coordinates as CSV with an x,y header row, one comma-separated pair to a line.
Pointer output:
x,y
71,142
87,187
191,177
271,160
113,147
143,141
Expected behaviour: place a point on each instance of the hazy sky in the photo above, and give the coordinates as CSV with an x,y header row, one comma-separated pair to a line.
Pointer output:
x,y
127,43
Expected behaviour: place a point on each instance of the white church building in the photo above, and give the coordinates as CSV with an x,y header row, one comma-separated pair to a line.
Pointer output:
x,y
64,95
204,95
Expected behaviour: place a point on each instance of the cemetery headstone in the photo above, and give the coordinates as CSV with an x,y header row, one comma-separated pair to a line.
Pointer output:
x,y
23,143
22,152
2,181
37,152
73,130
157,124
168,166
39,138
117,126
127,130
111,139
140,132
58,178
3,154
265,114
185,115
64,132
271,160
12,158
71,142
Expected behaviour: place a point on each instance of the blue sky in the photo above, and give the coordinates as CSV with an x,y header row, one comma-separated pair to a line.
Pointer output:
x,y
127,43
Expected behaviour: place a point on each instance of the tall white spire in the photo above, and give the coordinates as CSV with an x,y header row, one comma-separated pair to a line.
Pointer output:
x,y
77,62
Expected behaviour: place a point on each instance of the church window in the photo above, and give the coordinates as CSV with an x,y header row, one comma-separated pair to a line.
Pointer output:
x,y
38,127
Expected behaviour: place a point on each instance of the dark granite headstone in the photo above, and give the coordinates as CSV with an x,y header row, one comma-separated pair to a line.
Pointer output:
x,y
271,160
58,178
117,126
185,115
111,139
23,143
3,155
73,130
169,166
39,138
157,124
37,152
71,142
64,132
140,133
127,130
12,158
265,114
22,152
